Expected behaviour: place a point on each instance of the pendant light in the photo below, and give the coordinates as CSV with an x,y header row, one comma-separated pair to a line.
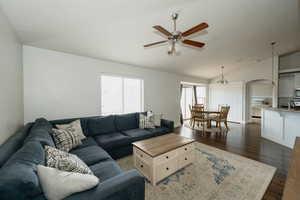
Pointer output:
x,y
273,54
222,81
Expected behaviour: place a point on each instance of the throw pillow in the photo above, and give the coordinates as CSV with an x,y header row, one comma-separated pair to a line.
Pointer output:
x,y
65,161
149,121
57,184
142,121
157,119
74,127
65,140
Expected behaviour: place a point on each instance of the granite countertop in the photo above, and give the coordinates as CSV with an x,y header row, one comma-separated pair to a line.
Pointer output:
x,y
283,109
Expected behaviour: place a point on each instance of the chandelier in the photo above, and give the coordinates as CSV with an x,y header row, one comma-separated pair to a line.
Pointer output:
x,y
222,81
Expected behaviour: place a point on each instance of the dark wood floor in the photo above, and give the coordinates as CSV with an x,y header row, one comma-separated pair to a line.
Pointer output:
x,y
245,140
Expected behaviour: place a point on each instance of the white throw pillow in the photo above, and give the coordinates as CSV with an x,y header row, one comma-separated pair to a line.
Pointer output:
x,y
58,184
74,127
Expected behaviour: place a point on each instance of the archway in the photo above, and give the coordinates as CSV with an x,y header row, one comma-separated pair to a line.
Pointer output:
x,y
259,94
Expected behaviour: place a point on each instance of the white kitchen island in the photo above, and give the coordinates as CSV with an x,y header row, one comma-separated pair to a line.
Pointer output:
x,y
280,125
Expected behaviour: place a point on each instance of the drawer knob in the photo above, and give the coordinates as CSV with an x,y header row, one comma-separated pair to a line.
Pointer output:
x,y
185,158
167,168
185,149
141,155
167,157
142,166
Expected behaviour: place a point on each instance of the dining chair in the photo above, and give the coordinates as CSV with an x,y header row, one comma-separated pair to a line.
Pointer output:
x,y
222,117
199,117
199,105
192,115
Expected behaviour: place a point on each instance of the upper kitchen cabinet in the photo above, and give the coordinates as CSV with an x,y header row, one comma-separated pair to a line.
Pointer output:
x,y
289,63
297,81
286,85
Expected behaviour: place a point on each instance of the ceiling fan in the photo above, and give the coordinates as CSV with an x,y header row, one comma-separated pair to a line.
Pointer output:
x,y
176,36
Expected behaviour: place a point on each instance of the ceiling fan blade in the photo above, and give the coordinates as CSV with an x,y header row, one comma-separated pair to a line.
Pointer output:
x,y
155,43
193,43
195,29
162,30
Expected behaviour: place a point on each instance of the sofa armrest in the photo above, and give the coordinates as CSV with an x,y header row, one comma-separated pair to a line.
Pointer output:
x,y
167,123
130,183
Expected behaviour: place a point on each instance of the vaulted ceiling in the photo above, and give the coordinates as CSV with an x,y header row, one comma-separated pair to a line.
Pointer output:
x,y
240,30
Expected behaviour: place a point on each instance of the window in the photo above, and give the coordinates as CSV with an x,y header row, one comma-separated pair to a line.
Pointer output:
x,y
187,101
121,95
201,94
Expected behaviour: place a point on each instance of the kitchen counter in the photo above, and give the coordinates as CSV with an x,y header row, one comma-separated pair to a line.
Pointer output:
x,y
280,125
283,109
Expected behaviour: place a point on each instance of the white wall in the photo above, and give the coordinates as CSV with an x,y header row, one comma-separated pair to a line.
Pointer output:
x,y
230,94
11,83
59,85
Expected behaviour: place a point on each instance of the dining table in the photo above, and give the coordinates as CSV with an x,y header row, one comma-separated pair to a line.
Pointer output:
x,y
209,112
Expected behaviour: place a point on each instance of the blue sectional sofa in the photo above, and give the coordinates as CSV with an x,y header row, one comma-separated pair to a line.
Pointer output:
x,y
108,138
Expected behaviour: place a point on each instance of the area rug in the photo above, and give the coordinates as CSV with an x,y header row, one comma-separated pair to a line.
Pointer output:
x,y
215,175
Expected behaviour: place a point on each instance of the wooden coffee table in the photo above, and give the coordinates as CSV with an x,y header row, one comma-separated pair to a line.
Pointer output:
x,y
159,157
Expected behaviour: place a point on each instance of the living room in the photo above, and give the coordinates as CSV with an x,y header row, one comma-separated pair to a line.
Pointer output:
x,y
149,100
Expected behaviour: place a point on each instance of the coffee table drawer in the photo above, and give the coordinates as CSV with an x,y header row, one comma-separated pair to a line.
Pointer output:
x,y
185,159
143,167
165,169
143,156
186,148
166,157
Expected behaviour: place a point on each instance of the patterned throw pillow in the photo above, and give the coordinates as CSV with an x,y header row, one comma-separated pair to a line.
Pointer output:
x,y
74,127
149,122
65,140
65,161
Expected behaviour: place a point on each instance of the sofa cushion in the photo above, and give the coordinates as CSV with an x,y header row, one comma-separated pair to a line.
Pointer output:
x,y
12,144
40,132
106,169
88,141
91,155
101,125
160,130
18,179
138,134
112,140
127,121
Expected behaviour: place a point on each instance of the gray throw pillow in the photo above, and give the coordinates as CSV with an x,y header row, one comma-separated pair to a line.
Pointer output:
x,y
74,127
157,119
57,184
65,140
65,161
